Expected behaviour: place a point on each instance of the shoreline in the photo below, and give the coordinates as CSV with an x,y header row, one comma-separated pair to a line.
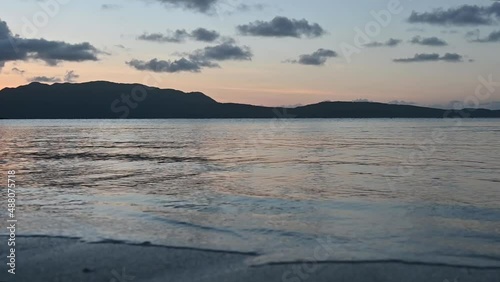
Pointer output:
x,y
58,259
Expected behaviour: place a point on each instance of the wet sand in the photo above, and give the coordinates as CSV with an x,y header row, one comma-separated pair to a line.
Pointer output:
x,y
49,259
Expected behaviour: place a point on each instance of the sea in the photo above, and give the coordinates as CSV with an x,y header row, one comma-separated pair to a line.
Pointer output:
x,y
286,190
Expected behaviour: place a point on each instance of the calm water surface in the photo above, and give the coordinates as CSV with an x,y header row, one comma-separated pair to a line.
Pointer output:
x,y
413,190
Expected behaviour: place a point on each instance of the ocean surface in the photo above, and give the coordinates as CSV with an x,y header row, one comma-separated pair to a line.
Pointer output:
x,y
324,190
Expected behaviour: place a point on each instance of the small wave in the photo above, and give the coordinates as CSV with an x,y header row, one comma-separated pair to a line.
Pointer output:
x,y
127,157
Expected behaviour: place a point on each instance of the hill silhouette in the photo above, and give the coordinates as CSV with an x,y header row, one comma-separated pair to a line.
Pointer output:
x,y
101,99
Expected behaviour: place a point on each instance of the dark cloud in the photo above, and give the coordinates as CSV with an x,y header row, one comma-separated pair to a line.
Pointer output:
x,y
448,57
180,35
492,37
110,7
211,7
317,58
282,27
202,6
389,43
181,65
451,57
71,76
174,37
46,79
196,61
202,34
4,30
51,52
222,52
463,15
428,41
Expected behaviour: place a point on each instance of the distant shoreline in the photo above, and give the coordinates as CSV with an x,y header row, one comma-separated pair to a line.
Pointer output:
x,y
107,100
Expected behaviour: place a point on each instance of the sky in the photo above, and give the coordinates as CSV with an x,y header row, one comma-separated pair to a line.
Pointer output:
x,y
277,52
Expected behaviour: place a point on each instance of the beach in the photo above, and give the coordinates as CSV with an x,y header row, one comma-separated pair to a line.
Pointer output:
x,y
249,141
52,259
338,195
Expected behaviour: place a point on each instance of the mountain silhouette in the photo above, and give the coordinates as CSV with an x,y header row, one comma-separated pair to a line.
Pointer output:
x,y
101,99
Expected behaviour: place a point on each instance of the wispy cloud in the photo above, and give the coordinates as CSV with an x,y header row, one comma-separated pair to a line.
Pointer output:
x,y
448,57
491,38
428,41
202,6
110,7
389,43
318,58
460,16
181,35
197,60
45,79
71,76
18,71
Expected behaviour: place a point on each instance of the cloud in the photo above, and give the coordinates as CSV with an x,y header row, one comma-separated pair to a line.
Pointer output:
x,y
108,7
282,27
155,65
197,60
448,57
122,47
46,79
71,76
243,7
317,58
18,71
401,102
4,30
415,29
180,35
472,35
202,6
222,52
460,16
205,35
428,41
51,52
492,37
389,43
174,37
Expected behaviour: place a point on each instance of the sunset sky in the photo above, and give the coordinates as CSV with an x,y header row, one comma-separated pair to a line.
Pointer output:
x,y
280,52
